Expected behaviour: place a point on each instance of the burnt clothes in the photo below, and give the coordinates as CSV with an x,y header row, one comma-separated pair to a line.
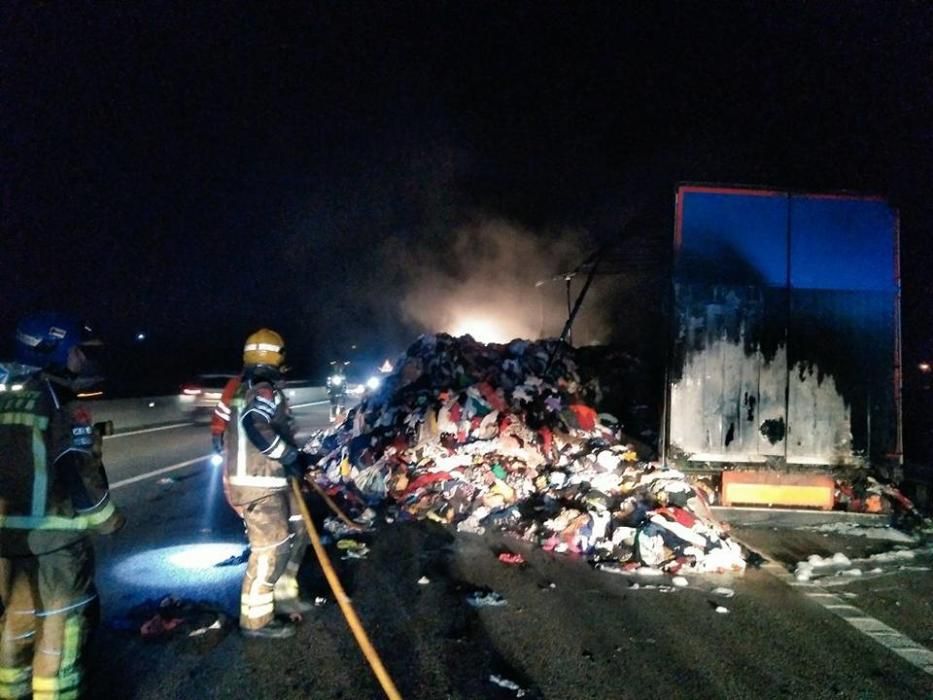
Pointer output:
x,y
502,437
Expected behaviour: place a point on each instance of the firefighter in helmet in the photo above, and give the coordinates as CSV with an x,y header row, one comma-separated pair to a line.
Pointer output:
x,y
53,495
260,453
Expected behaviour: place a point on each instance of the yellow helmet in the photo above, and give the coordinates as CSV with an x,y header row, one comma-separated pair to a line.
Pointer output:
x,y
264,347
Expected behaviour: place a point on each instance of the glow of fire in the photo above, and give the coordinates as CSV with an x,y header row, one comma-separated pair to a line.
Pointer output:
x,y
484,329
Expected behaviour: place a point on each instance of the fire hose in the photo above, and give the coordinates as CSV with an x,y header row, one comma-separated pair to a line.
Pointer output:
x,y
341,596
333,506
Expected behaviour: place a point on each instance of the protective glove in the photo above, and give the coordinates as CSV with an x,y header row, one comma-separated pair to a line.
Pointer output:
x,y
293,465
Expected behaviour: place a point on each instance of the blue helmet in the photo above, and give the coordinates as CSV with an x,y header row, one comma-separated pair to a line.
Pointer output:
x,y
44,339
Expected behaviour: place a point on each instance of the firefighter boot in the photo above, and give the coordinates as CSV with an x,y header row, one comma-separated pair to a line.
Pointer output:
x,y
277,629
286,592
288,600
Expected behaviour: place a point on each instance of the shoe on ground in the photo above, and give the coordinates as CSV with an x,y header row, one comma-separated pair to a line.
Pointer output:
x,y
277,629
293,606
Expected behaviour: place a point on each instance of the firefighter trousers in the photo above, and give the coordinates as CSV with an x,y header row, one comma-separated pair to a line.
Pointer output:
x,y
49,606
278,540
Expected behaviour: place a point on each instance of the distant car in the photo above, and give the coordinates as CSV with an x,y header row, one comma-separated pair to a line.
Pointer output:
x,y
199,396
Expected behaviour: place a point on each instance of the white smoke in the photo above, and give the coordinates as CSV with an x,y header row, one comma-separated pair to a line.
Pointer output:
x,y
484,284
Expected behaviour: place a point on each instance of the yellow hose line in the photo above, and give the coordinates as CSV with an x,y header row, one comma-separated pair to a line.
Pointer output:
x,y
333,506
348,612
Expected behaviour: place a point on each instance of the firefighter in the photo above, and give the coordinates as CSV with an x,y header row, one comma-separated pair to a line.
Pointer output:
x,y
53,495
337,390
259,454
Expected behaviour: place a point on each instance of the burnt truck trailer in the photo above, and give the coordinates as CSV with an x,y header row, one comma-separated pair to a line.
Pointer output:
x,y
785,360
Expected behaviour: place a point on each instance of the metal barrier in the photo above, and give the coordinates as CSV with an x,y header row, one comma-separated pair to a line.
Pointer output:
x,y
150,411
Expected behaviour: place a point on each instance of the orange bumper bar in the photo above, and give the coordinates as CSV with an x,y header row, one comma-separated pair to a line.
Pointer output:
x,y
762,488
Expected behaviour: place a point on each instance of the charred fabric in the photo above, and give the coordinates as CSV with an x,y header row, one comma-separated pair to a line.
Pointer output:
x,y
505,438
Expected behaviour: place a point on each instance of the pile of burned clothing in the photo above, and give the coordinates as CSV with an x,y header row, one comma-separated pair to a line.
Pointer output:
x,y
505,438
863,493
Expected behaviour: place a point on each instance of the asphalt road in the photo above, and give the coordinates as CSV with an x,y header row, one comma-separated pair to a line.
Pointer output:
x,y
568,631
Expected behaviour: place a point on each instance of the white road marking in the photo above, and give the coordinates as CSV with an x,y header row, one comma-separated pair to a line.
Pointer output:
x,y
310,403
148,430
163,470
886,636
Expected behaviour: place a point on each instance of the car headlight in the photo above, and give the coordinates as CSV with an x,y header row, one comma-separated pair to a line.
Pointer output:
x,y
373,383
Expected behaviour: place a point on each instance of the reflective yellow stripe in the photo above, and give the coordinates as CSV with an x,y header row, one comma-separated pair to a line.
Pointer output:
x,y
70,651
16,690
57,522
40,481
101,515
240,447
30,420
56,694
286,588
257,599
15,674
15,681
19,405
56,684
260,610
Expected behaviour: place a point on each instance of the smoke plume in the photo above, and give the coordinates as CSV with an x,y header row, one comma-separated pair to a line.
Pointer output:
x,y
495,281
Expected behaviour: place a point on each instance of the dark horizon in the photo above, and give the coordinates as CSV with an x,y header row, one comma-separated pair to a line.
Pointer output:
x,y
195,172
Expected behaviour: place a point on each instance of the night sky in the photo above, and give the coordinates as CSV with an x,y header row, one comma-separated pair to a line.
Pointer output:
x,y
195,170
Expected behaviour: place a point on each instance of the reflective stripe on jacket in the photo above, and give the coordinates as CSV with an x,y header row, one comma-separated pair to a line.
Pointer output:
x,y
223,410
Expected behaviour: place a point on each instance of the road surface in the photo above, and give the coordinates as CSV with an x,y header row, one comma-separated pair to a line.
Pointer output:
x,y
567,631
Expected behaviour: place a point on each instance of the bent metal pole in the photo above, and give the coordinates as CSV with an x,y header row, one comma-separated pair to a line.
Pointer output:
x,y
344,601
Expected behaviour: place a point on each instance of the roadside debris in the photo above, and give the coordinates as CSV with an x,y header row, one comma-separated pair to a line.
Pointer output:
x,y
159,625
507,684
236,559
489,599
863,493
871,532
839,569
169,617
338,528
215,625
353,548
504,438
509,558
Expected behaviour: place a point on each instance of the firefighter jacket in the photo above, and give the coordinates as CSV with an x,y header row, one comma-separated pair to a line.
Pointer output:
x,y
260,439
53,487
